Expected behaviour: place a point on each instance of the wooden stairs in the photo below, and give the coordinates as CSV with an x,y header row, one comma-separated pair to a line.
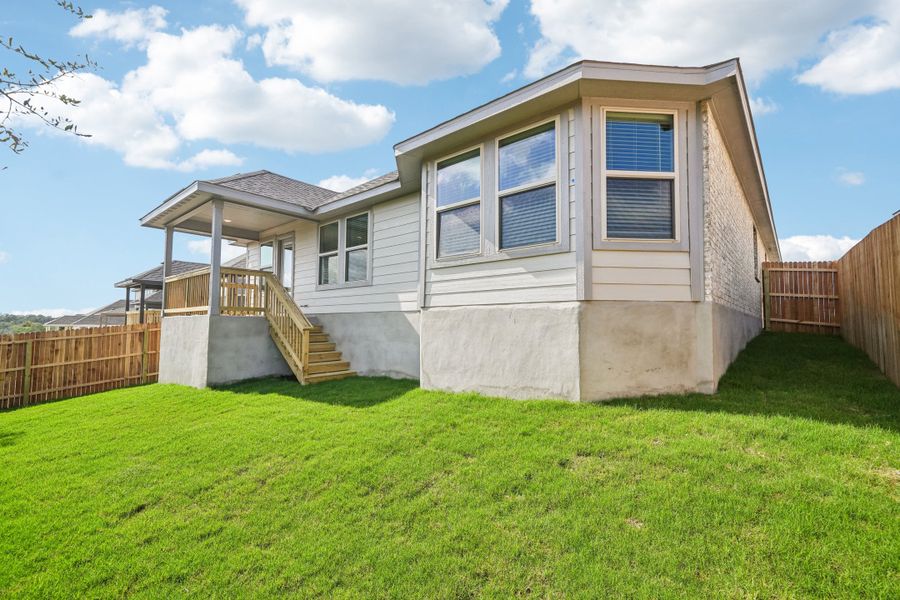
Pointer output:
x,y
325,361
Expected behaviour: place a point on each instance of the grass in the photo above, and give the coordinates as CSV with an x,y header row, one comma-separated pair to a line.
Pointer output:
x,y
784,484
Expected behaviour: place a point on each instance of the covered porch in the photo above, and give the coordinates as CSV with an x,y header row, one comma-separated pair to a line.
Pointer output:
x,y
245,318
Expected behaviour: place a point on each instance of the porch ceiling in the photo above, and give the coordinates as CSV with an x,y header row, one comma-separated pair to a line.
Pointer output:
x,y
240,223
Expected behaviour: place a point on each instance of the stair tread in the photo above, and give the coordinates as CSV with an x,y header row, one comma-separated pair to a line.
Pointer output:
x,y
313,377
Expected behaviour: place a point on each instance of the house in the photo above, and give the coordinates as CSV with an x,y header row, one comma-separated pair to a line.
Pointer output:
x,y
596,233
151,280
111,314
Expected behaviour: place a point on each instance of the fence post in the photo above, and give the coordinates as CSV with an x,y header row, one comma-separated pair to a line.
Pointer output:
x,y
144,342
26,383
767,301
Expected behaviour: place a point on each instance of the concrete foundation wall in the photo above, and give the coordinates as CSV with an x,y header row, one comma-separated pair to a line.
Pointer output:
x,y
183,350
731,331
241,348
517,351
201,351
378,343
638,348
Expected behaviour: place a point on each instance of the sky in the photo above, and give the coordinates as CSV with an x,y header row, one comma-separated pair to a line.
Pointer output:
x,y
320,91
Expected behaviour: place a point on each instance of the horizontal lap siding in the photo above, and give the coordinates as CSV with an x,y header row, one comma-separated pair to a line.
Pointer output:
x,y
641,275
395,264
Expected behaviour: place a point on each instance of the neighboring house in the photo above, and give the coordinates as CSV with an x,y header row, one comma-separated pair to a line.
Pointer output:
x,y
144,290
596,233
111,314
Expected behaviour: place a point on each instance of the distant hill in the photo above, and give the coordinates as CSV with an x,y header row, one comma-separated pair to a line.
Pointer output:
x,y
22,323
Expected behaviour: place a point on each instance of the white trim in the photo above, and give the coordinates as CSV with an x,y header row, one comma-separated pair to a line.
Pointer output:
x,y
500,194
682,113
342,250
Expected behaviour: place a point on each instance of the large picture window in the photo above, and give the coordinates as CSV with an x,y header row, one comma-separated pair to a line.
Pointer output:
x,y
458,204
526,185
344,251
640,175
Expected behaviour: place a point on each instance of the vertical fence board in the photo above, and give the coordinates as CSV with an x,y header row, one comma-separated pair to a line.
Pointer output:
x,y
801,297
39,367
870,290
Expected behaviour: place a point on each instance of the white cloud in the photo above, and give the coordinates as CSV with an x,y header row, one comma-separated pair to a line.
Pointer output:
x,y
52,312
851,177
762,106
509,76
861,58
131,27
210,158
815,247
191,89
342,183
402,41
766,34
4,257
202,248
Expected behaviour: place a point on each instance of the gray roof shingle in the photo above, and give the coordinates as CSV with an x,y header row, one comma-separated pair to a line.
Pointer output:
x,y
277,187
368,185
154,275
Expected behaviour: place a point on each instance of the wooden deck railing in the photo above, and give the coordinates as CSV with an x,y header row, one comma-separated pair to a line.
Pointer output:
x,y
244,292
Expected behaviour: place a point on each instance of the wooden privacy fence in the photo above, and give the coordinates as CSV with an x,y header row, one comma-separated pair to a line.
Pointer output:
x,y
802,297
39,367
869,277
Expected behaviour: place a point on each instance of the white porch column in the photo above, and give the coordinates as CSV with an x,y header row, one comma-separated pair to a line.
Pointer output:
x,y
215,258
167,264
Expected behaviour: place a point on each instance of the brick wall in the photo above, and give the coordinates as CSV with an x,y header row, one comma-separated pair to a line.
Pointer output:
x,y
730,275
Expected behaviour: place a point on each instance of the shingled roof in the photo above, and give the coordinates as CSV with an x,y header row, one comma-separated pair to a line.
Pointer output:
x,y
368,185
278,187
154,276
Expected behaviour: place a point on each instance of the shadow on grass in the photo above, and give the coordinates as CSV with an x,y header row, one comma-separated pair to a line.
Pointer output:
x,y
354,392
8,438
797,375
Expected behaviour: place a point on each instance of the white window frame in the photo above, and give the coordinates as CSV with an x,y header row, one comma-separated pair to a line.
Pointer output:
x,y
499,195
682,113
437,210
342,250
366,246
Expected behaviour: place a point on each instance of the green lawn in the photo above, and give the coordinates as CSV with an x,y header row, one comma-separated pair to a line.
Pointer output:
x,y
785,484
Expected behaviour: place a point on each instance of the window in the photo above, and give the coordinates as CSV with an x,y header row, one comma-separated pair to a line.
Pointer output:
x,y
344,251
458,204
266,257
755,254
640,179
286,263
527,173
357,248
328,253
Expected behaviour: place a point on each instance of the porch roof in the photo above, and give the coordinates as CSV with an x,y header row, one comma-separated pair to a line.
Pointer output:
x,y
153,278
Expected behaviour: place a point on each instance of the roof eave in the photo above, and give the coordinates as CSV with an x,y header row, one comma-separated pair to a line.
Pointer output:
x,y
155,218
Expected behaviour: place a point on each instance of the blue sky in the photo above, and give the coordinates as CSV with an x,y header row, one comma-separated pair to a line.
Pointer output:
x,y
195,90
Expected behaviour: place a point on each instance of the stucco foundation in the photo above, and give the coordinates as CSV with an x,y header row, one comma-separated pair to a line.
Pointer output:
x,y
201,351
638,348
378,343
731,331
517,351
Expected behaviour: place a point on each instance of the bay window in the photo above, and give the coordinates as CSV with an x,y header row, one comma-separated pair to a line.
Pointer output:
x,y
526,186
458,204
639,175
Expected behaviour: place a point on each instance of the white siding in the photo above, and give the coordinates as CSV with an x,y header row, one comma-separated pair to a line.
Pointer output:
x,y
641,275
395,264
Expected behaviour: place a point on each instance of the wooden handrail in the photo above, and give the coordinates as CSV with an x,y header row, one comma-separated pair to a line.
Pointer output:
x,y
247,292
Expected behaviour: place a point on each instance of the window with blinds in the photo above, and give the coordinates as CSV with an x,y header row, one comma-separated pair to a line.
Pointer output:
x,y
458,204
640,176
526,166
348,239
